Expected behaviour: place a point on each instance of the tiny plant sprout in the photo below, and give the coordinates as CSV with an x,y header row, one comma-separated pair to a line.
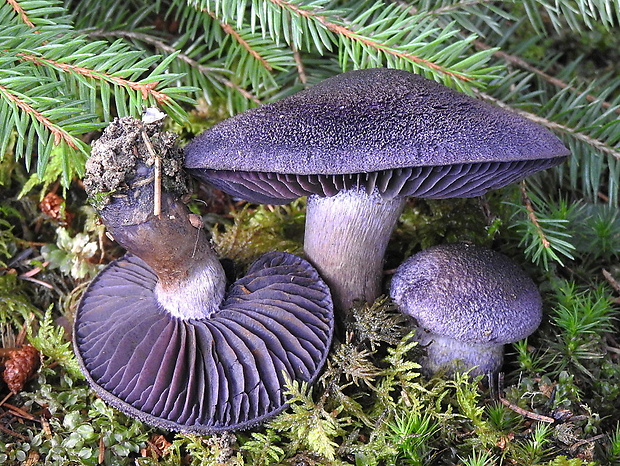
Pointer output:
x,y
468,301
357,145
157,333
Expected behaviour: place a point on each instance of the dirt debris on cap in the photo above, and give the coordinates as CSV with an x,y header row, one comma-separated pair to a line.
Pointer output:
x,y
121,149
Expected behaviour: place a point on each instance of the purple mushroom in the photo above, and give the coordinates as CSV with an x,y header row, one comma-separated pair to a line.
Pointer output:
x,y
468,301
158,335
357,144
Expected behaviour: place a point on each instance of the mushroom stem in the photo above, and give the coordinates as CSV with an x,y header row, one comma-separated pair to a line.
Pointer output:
x,y
191,280
346,238
451,355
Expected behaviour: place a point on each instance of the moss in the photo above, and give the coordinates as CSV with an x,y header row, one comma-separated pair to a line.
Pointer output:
x,y
371,405
253,231
429,222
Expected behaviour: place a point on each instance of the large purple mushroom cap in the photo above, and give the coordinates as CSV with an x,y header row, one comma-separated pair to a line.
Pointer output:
x,y
468,302
384,129
357,144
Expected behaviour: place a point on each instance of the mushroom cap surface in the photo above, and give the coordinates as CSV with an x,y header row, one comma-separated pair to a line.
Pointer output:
x,y
374,128
227,372
468,293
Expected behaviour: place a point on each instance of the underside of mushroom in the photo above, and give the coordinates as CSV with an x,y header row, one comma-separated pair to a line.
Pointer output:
x,y
157,333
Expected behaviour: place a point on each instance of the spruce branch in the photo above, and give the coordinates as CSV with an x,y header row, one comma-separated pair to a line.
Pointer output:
x,y
252,57
436,8
58,133
301,71
377,34
456,6
521,63
573,132
543,228
370,42
56,85
546,17
145,89
366,41
20,11
228,29
211,71
532,215
575,14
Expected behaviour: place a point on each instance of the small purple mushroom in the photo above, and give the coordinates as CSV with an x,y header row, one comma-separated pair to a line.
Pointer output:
x,y
357,145
468,301
158,335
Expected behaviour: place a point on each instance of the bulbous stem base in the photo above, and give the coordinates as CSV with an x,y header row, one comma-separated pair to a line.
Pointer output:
x,y
450,355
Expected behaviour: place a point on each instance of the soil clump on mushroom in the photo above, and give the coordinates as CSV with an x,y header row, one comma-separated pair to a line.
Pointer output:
x,y
116,155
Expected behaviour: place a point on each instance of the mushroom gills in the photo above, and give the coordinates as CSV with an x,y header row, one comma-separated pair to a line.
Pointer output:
x,y
433,182
226,372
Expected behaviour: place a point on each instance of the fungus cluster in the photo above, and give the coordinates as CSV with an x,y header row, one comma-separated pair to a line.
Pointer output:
x,y
161,337
157,333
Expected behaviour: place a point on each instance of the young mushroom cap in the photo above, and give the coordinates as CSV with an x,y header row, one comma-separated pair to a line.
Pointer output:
x,y
159,337
468,302
377,135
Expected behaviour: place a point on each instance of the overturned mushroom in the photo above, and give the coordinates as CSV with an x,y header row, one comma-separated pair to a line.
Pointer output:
x,y
468,301
157,334
357,144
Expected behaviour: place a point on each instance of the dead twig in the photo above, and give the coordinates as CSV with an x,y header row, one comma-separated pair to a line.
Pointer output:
x,y
47,429
18,412
12,433
157,168
532,215
524,412
611,280
585,441
517,409
33,459
101,456
9,395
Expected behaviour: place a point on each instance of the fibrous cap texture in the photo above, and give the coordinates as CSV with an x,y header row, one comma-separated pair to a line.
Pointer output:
x,y
369,120
469,293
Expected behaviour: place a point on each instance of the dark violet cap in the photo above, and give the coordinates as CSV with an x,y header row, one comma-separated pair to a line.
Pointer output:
x,y
468,293
201,376
380,128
